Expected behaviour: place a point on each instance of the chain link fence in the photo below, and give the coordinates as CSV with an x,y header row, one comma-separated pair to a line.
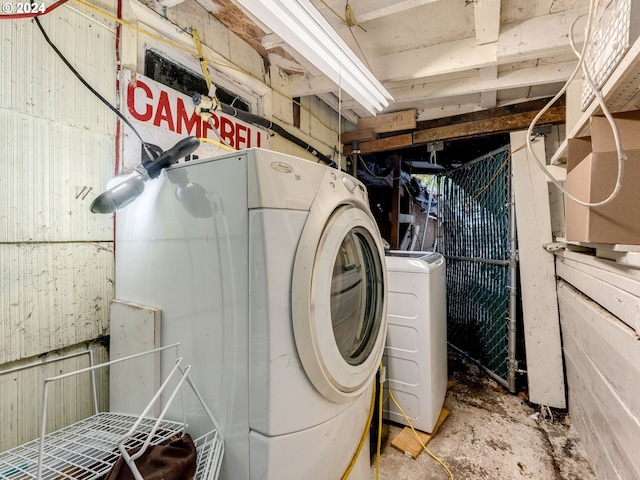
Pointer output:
x,y
476,242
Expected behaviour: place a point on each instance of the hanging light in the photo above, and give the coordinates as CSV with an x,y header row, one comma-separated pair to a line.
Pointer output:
x,y
124,189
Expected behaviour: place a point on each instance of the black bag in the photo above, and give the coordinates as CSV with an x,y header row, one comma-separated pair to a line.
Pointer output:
x,y
173,460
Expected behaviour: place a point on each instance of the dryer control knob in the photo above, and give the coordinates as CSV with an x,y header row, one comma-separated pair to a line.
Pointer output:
x,y
350,184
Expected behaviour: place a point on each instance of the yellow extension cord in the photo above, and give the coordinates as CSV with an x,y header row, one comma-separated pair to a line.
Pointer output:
x,y
424,447
379,440
220,144
363,438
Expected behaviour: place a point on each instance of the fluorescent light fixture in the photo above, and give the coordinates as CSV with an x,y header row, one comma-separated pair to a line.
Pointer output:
x,y
301,25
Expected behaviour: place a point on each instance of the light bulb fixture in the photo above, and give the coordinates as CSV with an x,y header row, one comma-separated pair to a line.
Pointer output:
x,y
301,26
124,189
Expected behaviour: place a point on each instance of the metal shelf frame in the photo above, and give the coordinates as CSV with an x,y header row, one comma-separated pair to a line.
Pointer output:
x,y
88,449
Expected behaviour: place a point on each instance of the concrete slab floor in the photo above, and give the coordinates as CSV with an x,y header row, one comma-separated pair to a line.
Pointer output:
x,y
490,434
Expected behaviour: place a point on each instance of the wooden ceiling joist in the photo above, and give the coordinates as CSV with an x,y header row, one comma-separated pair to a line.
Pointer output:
x,y
359,136
395,142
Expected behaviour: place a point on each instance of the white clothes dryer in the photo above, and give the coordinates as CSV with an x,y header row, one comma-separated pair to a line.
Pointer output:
x,y
269,271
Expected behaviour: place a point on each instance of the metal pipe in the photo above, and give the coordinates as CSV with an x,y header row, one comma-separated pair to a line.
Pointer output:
x,y
426,222
512,363
479,260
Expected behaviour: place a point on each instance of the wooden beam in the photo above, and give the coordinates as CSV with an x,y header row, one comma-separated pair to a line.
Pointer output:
x,y
486,122
541,324
529,39
390,143
487,18
405,92
389,122
530,106
373,11
359,135
496,125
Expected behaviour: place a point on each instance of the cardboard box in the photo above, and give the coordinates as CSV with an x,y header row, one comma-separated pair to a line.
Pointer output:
x,y
592,169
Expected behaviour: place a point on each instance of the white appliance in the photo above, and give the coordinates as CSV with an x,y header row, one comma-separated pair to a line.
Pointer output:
x,y
269,271
416,350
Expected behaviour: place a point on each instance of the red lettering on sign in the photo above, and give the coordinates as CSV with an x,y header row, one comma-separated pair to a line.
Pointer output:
x,y
163,113
188,122
226,131
152,105
131,99
241,137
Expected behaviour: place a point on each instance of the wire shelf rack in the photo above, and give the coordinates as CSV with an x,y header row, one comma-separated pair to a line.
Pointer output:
x,y
85,450
210,449
88,449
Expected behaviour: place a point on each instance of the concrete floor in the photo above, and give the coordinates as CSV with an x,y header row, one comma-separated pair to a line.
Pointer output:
x,y
489,434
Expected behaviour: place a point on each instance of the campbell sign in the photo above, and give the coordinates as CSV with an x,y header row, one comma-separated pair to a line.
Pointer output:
x,y
163,116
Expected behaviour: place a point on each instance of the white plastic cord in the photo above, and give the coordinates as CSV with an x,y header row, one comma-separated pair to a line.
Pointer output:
x,y
616,135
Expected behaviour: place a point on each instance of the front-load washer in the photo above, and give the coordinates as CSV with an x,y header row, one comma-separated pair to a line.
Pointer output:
x,y
269,271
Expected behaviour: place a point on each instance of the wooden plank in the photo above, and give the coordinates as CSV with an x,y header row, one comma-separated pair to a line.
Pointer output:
x,y
611,345
407,442
589,426
504,124
359,135
487,19
134,329
603,370
622,276
507,110
389,122
545,371
384,144
620,303
629,256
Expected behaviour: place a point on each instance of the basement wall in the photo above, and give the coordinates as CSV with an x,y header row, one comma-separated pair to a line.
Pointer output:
x,y
57,144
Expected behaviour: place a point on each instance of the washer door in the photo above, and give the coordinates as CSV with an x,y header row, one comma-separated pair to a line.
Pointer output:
x,y
339,302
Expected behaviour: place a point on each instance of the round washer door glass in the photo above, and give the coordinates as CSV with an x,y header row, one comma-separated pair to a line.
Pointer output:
x,y
356,300
339,302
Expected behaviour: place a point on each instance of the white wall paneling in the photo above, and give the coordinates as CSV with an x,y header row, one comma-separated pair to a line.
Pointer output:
x,y
57,150
70,400
602,356
53,295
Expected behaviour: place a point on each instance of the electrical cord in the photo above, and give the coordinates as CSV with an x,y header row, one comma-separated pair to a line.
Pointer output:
x,y
382,379
495,175
220,144
424,447
363,438
93,90
203,61
620,152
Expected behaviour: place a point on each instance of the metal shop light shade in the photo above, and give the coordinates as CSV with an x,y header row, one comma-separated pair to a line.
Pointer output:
x,y
124,189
